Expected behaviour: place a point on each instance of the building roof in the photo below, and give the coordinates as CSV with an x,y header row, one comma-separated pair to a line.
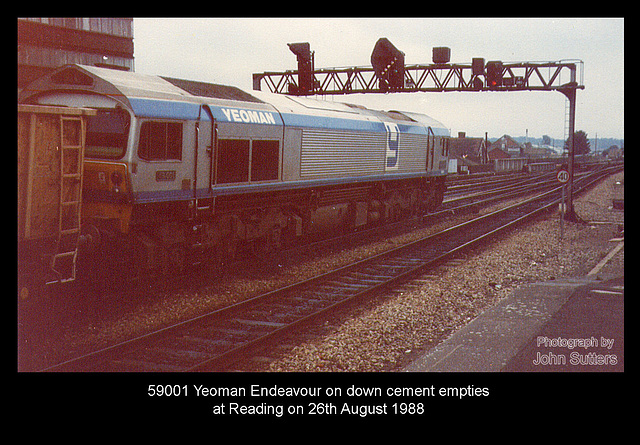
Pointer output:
x,y
498,153
505,142
539,152
466,146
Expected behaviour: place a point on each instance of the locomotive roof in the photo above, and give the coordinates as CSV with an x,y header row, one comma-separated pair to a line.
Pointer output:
x,y
125,85
204,89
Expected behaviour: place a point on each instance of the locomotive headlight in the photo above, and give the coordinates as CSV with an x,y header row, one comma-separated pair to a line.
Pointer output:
x,y
105,177
116,179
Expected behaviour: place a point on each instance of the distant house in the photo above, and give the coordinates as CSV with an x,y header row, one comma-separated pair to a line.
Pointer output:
x,y
507,145
613,152
553,151
530,151
468,150
497,153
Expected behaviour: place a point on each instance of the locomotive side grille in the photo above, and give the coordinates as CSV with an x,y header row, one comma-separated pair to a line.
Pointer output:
x,y
328,153
413,152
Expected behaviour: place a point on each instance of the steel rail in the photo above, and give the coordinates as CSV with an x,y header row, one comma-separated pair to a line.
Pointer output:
x,y
94,360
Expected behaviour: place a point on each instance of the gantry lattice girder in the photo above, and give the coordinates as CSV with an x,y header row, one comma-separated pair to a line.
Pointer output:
x,y
516,76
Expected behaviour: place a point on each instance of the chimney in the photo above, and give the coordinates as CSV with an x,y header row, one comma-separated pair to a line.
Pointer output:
x,y
461,134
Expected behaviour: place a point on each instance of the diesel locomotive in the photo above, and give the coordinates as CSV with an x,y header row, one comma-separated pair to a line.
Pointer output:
x,y
178,172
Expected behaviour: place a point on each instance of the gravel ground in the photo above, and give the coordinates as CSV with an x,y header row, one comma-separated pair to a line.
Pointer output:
x,y
382,335
388,333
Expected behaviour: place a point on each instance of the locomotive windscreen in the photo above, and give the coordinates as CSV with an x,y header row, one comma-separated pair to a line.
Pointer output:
x,y
107,134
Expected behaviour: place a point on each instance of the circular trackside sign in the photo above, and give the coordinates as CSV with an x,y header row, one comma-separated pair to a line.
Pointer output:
x,y
563,176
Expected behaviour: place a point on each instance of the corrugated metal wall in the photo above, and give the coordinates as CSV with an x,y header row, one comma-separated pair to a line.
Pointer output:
x,y
118,26
46,43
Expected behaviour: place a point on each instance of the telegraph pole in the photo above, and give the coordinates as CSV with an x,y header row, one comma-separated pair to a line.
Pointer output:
x,y
569,90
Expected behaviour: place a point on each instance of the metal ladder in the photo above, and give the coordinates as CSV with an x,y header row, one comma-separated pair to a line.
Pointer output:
x,y
63,261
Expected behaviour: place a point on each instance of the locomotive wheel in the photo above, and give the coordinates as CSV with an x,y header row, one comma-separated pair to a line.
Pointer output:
x,y
268,243
227,250
176,258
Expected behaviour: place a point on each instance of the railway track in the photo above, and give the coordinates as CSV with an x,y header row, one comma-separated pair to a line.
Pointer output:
x,y
468,185
216,340
462,198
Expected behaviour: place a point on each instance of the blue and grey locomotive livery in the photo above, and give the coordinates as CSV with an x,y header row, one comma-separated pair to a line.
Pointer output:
x,y
176,170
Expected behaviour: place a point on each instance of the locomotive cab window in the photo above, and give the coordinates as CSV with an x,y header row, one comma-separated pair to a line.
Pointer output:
x,y
243,160
160,141
107,134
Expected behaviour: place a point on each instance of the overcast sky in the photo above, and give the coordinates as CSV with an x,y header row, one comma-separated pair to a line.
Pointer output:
x,y
230,50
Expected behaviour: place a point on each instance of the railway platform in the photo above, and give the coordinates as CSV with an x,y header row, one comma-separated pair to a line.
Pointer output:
x,y
574,325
